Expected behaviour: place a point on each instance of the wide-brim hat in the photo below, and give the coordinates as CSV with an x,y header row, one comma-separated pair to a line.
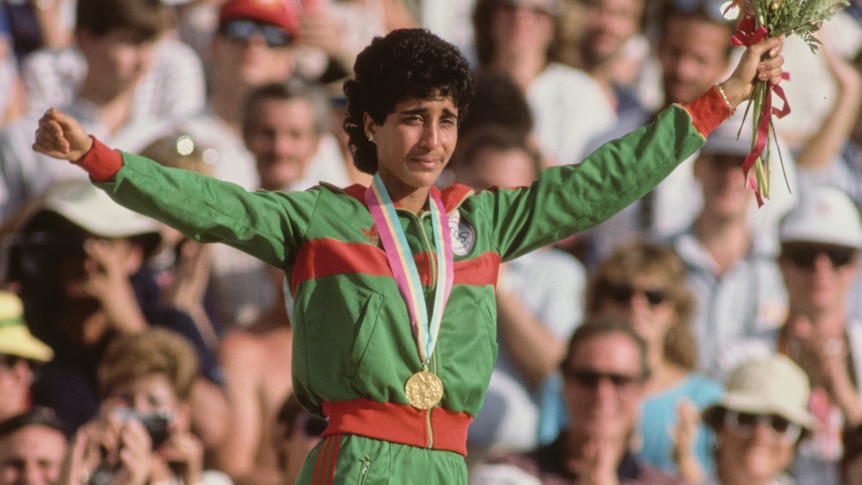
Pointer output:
x,y
771,386
15,338
91,209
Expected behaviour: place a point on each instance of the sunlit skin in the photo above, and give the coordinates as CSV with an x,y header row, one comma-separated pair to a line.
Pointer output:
x,y
606,413
723,185
102,257
32,455
608,25
147,395
122,433
282,137
821,289
502,168
121,56
521,31
251,60
757,459
693,56
15,380
414,144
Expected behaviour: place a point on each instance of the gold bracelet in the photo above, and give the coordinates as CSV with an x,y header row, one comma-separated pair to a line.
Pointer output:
x,y
720,90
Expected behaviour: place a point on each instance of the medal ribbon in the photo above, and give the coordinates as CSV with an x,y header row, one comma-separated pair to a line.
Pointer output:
x,y
404,267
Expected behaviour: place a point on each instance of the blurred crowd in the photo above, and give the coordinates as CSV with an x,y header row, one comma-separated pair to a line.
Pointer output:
x,y
695,337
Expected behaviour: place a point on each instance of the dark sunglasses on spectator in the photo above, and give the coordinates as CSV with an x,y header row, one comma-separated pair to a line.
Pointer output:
x,y
744,424
245,29
590,378
311,425
623,293
804,255
7,362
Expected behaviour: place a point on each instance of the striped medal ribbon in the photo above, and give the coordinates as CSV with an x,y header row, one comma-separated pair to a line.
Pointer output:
x,y
424,389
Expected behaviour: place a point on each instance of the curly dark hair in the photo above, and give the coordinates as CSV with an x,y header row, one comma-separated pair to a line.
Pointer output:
x,y
406,63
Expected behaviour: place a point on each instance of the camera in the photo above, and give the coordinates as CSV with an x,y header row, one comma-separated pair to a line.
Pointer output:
x,y
156,424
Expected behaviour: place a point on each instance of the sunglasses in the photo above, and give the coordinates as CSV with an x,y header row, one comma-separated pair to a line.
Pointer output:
x,y
7,362
590,379
744,424
311,425
623,293
804,256
244,30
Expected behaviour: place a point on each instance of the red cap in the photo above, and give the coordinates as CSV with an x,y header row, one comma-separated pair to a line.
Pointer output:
x,y
281,13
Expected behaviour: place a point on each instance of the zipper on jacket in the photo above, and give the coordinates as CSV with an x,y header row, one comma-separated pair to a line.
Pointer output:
x,y
363,472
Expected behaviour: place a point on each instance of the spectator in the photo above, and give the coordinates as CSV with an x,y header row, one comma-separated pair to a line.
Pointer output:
x,y
118,39
331,33
498,102
297,432
253,46
181,266
604,370
142,434
733,273
538,298
759,423
644,282
80,257
33,446
694,52
20,354
820,243
283,126
831,154
169,76
613,49
568,106
257,367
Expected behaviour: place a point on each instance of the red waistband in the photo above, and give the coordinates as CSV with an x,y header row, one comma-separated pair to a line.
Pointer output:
x,y
399,423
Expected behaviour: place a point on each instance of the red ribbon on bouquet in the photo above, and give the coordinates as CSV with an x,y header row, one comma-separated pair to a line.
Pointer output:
x,y
747,34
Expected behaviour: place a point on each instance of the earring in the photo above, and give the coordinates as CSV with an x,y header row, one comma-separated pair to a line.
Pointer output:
x,y
371,138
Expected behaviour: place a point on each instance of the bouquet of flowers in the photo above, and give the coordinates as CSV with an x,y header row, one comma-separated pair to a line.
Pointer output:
x,y
773,18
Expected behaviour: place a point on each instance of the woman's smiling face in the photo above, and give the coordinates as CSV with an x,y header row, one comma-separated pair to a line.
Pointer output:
x,y
414,143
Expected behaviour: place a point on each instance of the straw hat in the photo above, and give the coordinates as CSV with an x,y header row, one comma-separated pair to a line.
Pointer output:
x,y
772,386
15,338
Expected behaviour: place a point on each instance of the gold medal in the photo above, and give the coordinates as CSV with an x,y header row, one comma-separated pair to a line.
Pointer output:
x,y
424,390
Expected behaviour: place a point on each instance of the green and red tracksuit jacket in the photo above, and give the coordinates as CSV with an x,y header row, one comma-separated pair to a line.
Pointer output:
x,y
353,345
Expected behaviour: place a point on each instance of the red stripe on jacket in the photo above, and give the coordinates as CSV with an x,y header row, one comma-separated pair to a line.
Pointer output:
x,y
323,257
